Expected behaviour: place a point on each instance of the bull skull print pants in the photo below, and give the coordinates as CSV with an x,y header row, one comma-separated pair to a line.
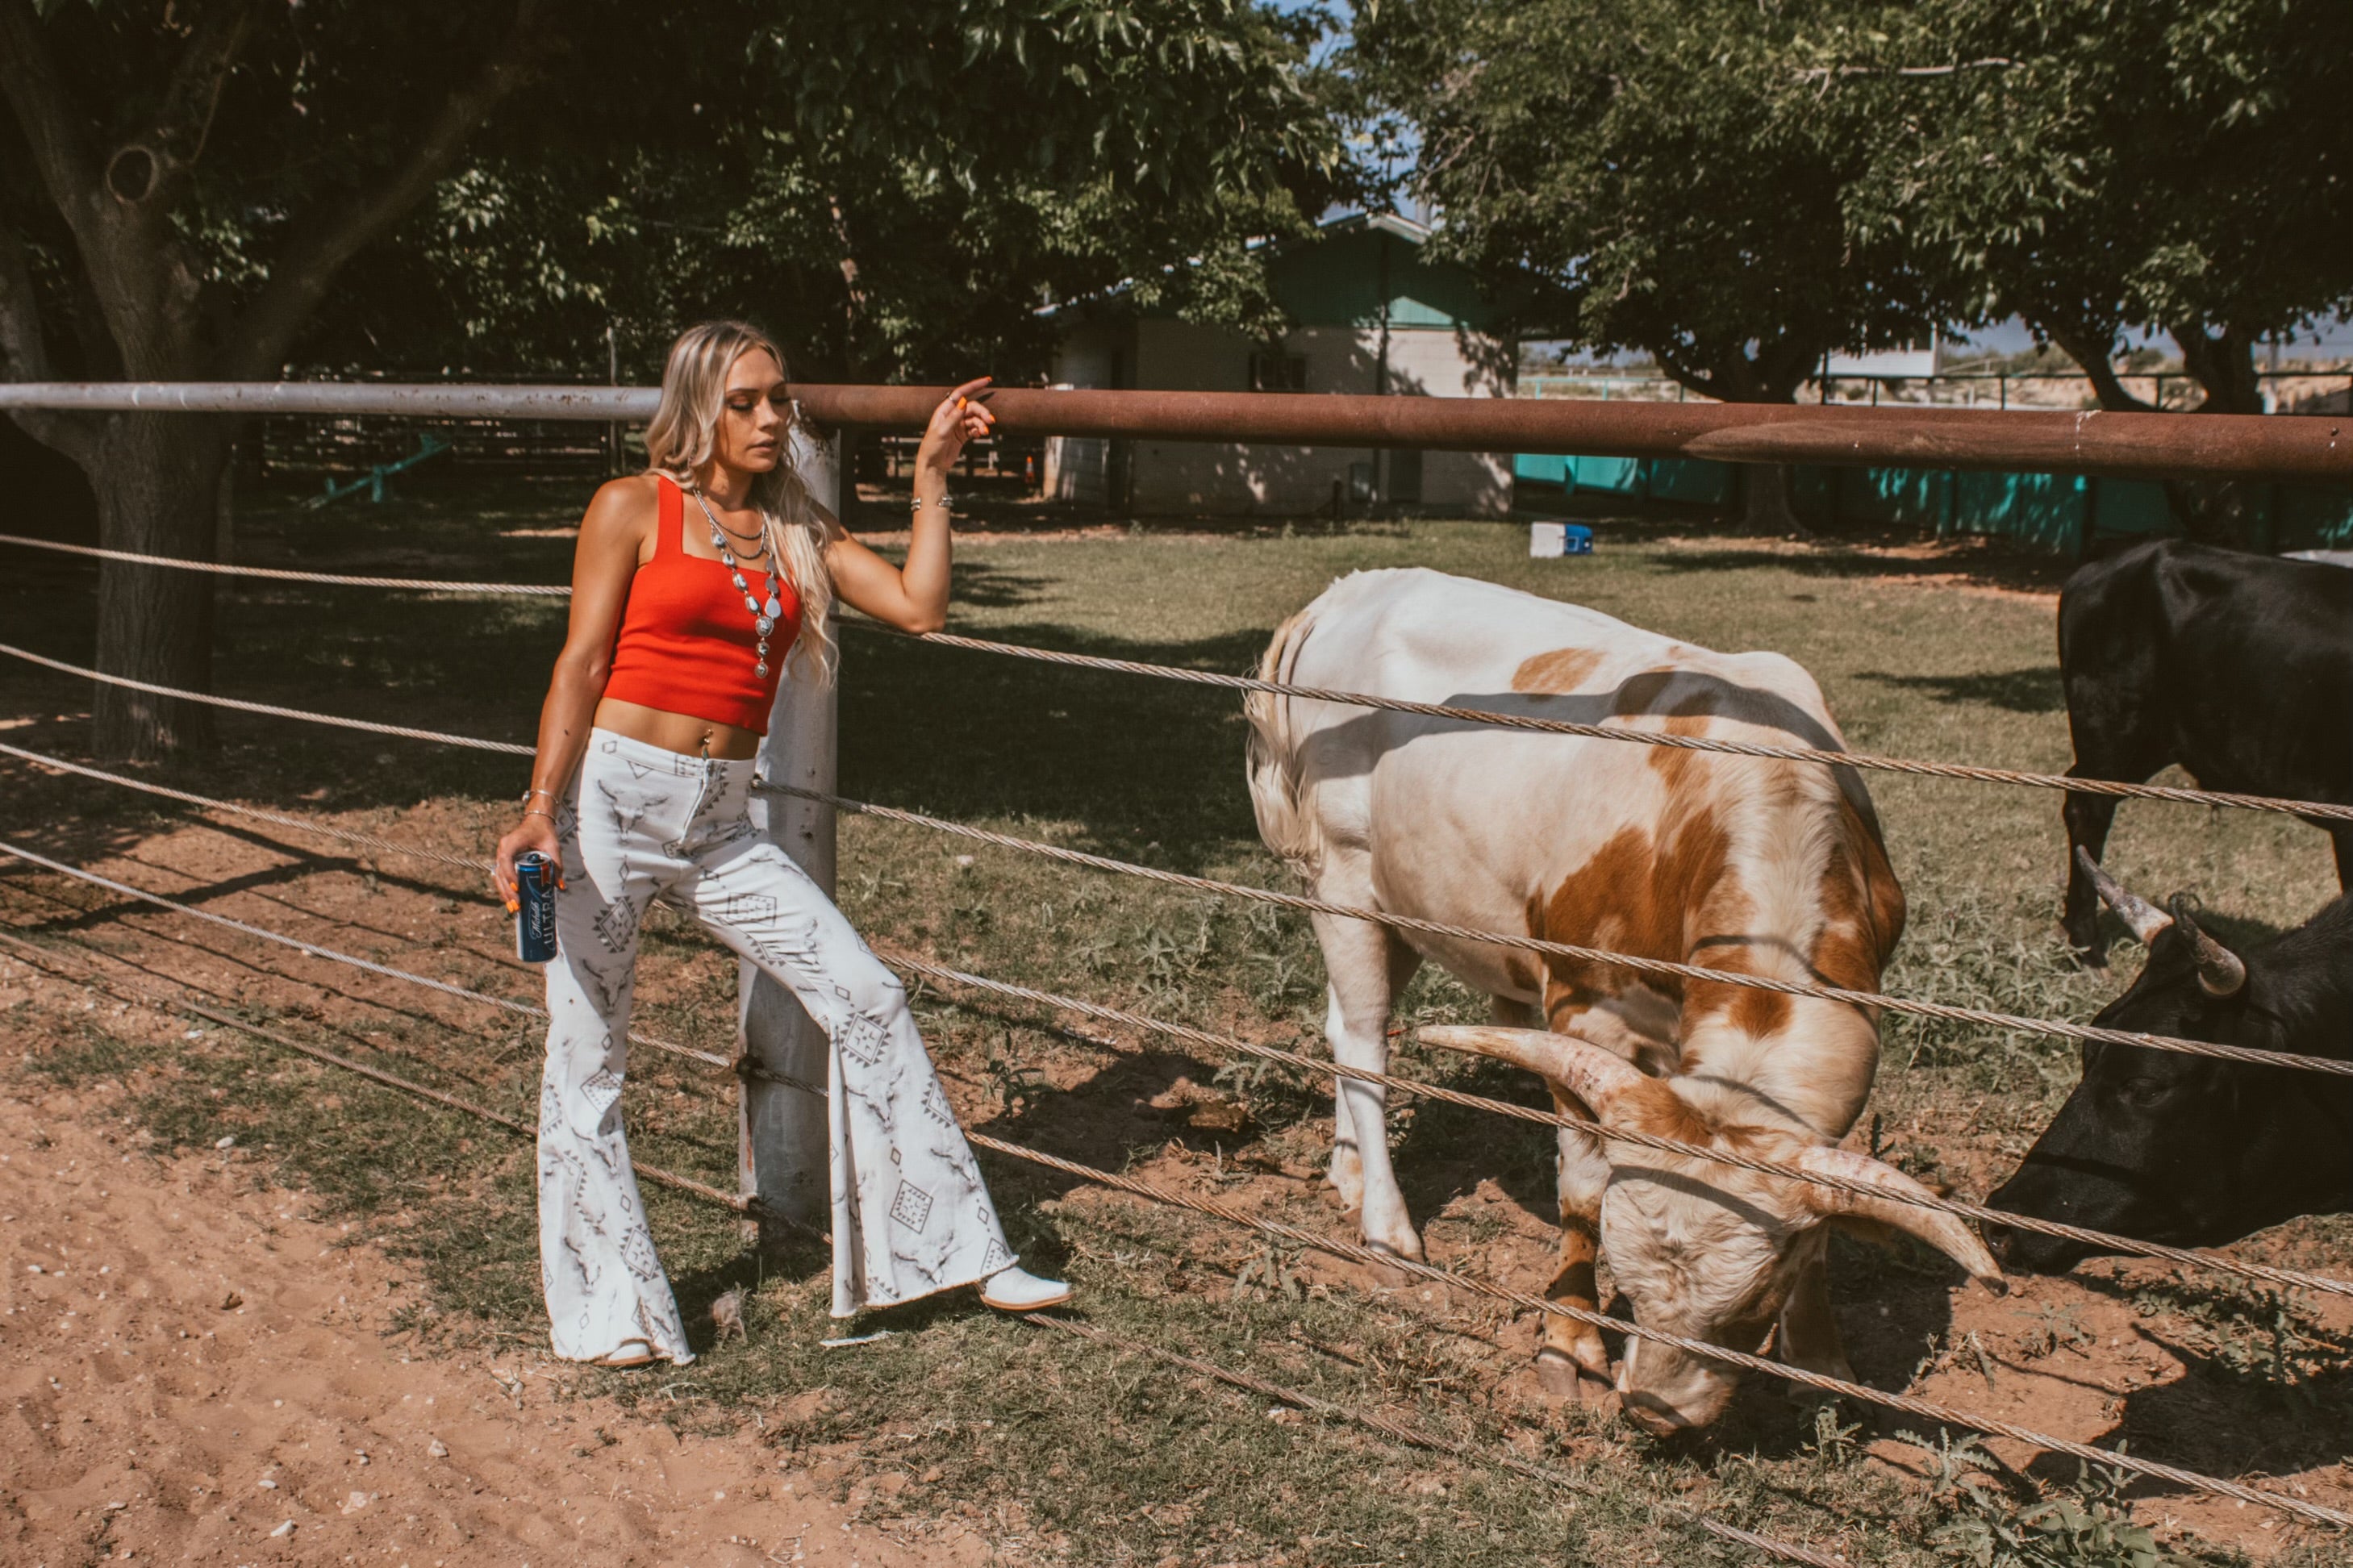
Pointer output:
x,y
909,1212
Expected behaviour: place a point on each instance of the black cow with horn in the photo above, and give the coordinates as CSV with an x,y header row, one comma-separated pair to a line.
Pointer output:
x,y
2238,667
2193,1150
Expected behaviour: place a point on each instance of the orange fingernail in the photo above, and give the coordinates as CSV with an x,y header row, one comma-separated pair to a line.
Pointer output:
x,y
512,907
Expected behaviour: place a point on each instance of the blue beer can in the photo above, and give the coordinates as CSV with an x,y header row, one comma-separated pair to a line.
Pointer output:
x,y
535,921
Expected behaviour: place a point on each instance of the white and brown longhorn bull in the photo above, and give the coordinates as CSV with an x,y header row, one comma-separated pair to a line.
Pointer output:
x,y
1738,864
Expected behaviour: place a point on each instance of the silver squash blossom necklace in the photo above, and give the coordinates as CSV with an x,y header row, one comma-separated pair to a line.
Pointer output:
x,y
765,616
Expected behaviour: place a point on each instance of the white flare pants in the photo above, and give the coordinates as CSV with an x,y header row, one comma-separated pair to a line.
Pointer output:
x,y
910,1215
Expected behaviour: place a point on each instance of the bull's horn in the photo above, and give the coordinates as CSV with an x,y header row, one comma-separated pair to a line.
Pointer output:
x,y
2221,972
1603,1081
2144,918
1939,1229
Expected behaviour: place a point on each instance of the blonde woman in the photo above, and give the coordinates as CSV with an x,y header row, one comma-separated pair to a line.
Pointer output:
x,y
696,587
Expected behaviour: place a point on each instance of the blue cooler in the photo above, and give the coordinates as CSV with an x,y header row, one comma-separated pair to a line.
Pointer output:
x,y
1547,540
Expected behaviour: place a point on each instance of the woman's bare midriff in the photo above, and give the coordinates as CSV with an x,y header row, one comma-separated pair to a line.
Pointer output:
x,y
679,732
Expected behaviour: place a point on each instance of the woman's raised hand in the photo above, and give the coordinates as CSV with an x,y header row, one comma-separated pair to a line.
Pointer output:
x,y
963,415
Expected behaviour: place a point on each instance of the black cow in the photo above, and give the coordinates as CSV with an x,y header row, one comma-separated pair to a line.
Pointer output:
x,y
2240,668
2168,1147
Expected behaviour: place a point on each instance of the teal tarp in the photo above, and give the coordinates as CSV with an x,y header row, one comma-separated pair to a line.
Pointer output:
x,y
2049,510
1651,479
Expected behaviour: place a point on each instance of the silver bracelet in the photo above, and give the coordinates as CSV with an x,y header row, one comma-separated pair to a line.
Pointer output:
x,y
917,503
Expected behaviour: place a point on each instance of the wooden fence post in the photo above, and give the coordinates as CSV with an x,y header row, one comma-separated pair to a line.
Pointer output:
x,y
781,1133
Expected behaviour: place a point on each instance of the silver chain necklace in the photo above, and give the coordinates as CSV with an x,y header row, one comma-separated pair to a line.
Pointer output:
x,y
765,616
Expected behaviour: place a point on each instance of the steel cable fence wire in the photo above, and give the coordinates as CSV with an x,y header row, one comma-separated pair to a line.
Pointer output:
x,y
2289,1279
282,575
1872,762
744,1067
271,710
1925,1409
121,991
1596,955
1867,760
2284,1278
300,825
1422,1437
313,949
1937,1010
741,1203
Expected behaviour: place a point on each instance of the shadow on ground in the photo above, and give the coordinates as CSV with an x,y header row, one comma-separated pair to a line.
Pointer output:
x,y
2012,691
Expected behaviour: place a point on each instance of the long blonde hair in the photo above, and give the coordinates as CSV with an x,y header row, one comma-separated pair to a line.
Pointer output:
x,y
683,438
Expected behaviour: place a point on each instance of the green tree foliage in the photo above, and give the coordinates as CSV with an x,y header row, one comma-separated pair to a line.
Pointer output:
x,y
180,186
214,189
2098,165
1649,161
1646,157
893,189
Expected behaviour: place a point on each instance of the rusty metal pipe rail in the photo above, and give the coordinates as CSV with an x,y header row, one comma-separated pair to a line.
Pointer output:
x,y
2126,445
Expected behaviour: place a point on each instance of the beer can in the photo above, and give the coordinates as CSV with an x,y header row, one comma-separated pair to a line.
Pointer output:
x,y
535,919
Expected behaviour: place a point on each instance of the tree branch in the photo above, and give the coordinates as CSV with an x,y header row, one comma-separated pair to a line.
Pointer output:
x,y
25,357
2223,366
259,340
1684,372
130,253
1783,366
1823,73
28,76
2090,349
853,309
185,123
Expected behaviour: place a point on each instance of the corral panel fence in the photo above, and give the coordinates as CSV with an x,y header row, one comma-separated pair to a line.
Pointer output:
x,y
2115,448
2058,478
2317,450
2066,513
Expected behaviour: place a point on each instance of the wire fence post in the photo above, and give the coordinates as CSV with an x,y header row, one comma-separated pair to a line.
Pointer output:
x,y
782,1136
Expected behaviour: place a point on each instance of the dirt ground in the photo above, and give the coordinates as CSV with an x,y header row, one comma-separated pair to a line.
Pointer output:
x,y
195,1373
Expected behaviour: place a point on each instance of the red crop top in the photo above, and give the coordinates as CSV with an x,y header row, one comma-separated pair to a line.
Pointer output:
x,y
687,645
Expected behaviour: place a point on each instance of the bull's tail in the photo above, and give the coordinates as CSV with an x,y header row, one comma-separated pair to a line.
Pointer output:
x,y
1286,821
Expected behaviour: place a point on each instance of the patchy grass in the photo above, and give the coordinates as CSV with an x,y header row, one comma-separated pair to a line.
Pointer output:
x,y
1067,1450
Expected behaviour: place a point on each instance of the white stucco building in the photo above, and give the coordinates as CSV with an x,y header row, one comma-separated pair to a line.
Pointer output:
x,y
1373,317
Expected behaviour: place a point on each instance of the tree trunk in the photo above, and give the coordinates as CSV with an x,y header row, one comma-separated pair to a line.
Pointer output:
x,y
2211,511
2089,348
158,488
2225,512
1736,377
2222,513
1765,501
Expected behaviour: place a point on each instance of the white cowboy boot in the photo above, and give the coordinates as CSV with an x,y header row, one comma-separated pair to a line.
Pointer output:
x,y
1019,1290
